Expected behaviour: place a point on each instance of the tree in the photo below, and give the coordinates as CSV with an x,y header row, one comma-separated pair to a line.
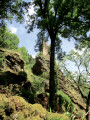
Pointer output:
x,y
39,43
81,75
67,18
80,59
27,58
7,39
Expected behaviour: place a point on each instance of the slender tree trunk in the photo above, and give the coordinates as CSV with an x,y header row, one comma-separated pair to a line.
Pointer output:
x,y
52,75
88,105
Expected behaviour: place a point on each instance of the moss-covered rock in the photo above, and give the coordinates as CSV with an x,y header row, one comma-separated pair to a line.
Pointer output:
x,y
12,61
15,107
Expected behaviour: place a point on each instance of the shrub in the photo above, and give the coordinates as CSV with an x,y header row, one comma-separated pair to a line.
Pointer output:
x,y
1,60
29,95
38,84
65,102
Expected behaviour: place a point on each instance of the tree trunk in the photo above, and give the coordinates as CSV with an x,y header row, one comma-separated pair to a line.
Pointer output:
x,y
52,75
88,105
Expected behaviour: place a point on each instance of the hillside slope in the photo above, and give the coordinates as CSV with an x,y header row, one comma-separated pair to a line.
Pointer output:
x,y
14,82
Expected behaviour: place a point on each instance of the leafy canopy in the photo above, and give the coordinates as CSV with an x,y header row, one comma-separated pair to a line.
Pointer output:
x,y
7,39
62,16
82,65
25,55
10,9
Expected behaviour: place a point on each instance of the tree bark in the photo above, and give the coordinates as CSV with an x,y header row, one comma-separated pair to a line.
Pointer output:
x,y
52,75
88,105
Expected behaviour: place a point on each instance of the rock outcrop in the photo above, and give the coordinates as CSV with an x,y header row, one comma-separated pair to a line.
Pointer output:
x,y
12,74
40,66
13,77
12,61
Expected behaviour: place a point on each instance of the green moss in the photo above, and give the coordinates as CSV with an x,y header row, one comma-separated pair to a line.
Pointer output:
x,y
56,116
64,96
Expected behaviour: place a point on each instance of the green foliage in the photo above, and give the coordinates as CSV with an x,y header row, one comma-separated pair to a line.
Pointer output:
x,y
45,75
24,52
39,43
15,107
7,39
28,95
1,60
65,102
40,54
55,116
85,90
80,58
10,9
38,84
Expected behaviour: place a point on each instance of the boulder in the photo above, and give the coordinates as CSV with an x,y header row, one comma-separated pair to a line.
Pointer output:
x,y
40,66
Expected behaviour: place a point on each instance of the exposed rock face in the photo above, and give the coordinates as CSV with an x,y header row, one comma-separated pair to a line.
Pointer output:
x,y
13,78
12,61
40,66
12,70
